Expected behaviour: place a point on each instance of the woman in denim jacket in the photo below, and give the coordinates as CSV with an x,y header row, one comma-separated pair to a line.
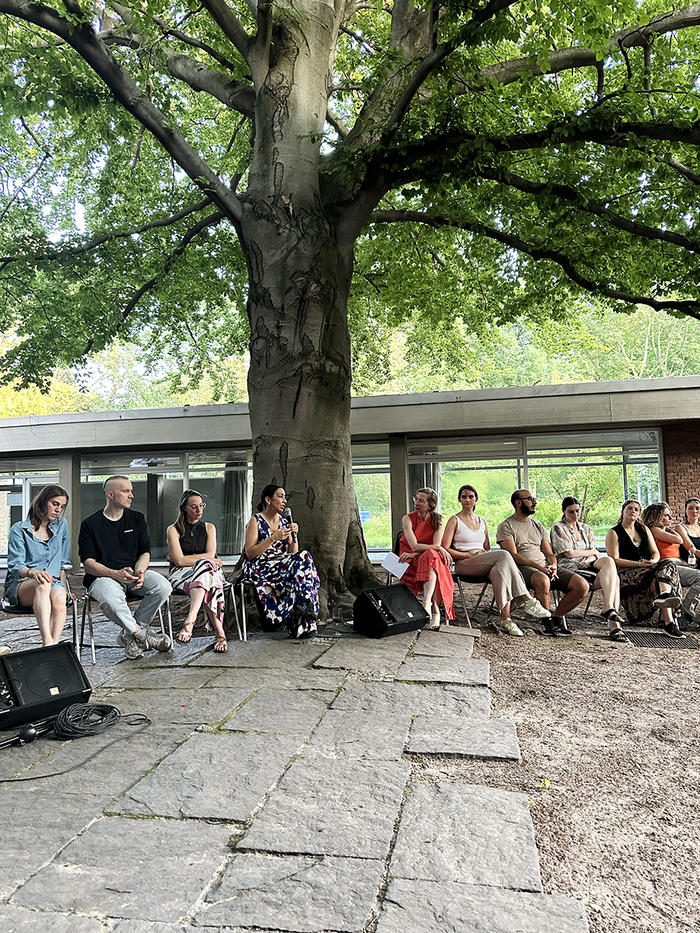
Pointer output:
x,y
37,549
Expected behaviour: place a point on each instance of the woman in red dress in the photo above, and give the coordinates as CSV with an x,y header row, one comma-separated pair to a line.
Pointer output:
x,y
428,574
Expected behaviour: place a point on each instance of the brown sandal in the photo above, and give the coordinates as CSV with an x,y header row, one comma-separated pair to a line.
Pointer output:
x,y
221,645
185,633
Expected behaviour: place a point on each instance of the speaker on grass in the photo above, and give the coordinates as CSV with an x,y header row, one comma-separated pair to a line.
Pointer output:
x,y
39,683
388,610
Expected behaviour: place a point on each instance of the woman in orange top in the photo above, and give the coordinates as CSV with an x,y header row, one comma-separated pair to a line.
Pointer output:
x,y
669,540
428,574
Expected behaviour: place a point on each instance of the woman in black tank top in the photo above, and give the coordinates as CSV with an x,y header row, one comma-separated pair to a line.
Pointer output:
x,y
646,583
195,569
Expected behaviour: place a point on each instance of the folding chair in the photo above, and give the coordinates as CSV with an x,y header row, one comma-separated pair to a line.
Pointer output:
x,y
87,614
71,605
460,581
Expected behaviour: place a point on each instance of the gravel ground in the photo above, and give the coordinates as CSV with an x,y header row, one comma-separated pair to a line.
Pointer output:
x,y
609,739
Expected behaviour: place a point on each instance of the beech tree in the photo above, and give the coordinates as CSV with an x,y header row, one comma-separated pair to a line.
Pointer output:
x,y
169,163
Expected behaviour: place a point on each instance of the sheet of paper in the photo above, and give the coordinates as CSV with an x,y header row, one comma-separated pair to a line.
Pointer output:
x,y
396,567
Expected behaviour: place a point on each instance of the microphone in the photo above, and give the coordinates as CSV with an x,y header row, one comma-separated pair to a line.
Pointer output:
x,y
287,513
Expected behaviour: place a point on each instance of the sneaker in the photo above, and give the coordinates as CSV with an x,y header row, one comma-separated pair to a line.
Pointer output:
x,y
510,628
5,649
556,627
672,629
161,642
667,602
128,642
534,607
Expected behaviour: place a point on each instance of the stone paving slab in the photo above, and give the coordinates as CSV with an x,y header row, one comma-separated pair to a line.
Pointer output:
x,y
296,679
443,644
473,702
379,656
113,770
22,920
457,735
428,907
444,671
267,652
143,869
158,678
299,893
195,707
345,808
281,712
467,833
361,734
212,776
32,832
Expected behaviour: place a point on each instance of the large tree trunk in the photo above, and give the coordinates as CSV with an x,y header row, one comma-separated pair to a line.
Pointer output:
x,y
299,382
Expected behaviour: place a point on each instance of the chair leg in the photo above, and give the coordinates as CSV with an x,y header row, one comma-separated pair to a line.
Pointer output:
x,y
74,609
231,594
464,602
245,636
88,612
588,604
481,596
169,617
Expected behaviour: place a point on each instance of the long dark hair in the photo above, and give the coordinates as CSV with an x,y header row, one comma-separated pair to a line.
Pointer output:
x,y
267,493
638,523
181,523
37,507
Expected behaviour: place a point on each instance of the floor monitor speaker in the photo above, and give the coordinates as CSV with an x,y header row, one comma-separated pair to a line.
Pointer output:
x,y
388,610
39,683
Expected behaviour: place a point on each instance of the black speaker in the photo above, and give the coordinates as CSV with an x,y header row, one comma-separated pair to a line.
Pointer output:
x,y
39,683
387,610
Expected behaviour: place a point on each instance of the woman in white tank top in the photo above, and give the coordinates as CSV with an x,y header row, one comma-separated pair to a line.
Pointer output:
x,y
466,539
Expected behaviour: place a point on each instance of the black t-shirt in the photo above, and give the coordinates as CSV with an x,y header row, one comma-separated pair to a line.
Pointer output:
x,y
115,544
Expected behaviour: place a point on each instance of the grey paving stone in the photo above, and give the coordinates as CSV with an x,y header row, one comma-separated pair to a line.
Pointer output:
x,y
22,920
330,807
381,656
113,770
275,711
428,907
212,776
444,671
298,679
15,759
473,702
126,868
457,735
269,652
158,678
361,734
33,832
195,707
300,893
467,833
443,644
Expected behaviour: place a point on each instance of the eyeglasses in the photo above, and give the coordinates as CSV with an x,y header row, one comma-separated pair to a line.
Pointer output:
x,y
197,508
526,498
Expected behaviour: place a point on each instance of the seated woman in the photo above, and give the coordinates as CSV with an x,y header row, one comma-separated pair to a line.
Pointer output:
x,y
466,540
669,540
285,577
428,575
690,527
574,544
36,551
195,569
646,582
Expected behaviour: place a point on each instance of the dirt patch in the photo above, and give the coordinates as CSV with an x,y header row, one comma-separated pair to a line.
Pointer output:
x,y
609,739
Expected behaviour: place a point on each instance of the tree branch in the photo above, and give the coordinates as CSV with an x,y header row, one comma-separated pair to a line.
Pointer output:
x,y
106,237
87,44
577,57
171,258
689,307
221,13
570,194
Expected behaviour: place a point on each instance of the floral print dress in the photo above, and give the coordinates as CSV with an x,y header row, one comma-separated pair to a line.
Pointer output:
x,y
287,584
